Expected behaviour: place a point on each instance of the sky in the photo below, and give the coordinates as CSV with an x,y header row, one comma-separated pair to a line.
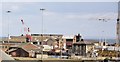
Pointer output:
x,y
67,18
59,0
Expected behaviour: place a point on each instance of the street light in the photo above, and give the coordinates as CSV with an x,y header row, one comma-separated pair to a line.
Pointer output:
x,y
42,19
42,33
117,32
103,32
8,28
8,24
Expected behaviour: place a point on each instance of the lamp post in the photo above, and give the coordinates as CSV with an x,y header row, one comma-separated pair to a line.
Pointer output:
x,y
8,25
8,12
42,33
103,32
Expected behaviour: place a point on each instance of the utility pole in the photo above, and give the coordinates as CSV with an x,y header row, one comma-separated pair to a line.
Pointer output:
x,y
8,28
118,26
42,33
118,33
103,37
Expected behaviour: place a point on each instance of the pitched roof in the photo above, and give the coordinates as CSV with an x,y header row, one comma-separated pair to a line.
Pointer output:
x,y
35,37
27,46
51,38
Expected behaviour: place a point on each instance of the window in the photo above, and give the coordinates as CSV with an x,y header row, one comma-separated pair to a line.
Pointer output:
x,y
35,43
69,40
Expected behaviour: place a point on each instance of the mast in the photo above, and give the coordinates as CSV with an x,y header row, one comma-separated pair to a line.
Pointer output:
x,y
42,33
8,28
118,26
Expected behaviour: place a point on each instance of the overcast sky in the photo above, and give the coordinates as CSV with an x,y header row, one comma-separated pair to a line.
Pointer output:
x,y
67,18
59,0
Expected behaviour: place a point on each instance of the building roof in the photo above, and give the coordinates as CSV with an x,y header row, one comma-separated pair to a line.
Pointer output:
x,y
35,37
27,46
11,50
51,39
15,39
84,42
68,37
4,46
46,34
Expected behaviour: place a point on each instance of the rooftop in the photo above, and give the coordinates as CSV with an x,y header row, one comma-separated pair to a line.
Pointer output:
x,y
84,42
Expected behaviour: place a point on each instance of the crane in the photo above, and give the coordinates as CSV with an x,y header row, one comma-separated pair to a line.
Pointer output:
x,y
27,31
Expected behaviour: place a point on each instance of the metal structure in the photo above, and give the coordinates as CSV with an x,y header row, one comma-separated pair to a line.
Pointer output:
x,y
26,31
42,33
118,26
103,38
8,25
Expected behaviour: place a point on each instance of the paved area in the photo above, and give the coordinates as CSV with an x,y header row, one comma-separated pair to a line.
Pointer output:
x,y
4,56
